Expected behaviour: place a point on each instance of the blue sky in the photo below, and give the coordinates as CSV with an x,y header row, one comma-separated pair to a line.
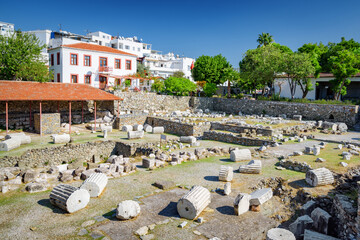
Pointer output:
x,y
195,28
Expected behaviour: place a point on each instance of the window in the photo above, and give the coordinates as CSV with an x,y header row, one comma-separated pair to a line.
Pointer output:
x,y
87,79
127,47
74,78
52,60
100,42
138,49
87,60
103,61
73,59
58,77
128,65
117,63
58,58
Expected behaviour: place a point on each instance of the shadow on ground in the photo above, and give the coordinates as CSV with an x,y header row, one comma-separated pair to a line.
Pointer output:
x,y
212,178
47,203
170,210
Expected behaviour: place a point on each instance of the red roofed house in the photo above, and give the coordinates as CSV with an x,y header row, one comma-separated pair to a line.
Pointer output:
x,y
98,66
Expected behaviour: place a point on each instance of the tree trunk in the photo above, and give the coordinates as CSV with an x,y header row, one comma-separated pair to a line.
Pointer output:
x,y
229,89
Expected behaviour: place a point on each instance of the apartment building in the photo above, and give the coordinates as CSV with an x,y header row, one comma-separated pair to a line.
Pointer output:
x,y
6,29
98,66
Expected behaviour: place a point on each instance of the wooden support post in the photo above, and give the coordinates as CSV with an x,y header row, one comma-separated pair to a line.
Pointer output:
x,y
118,109
40,119
30,113
58,106
7,116
82,112
69,117
95,114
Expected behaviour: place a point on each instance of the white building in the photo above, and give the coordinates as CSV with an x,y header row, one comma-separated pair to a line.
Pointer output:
x,y
99,66
6,29
165,65
44,38
322,88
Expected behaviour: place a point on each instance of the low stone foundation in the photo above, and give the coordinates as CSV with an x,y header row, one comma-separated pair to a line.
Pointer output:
x,y
130,119
231,138
242,129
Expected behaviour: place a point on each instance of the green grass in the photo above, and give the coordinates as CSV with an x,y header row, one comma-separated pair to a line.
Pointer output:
x,y
332,156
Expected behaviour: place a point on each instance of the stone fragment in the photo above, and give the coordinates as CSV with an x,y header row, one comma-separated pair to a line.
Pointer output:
x,y
165,185
343,164
240,155
279,234
69,198
329,126
262,148
340,146
35,187
127,128
10,144
318,177
105,133
158,130
226,173
242,203
95,184
148,128
127,210
135,134
301,223
194,202
86,174
138,127
320,160
311,235
316,150
183,224
142,231
148,162
321,220
253,167
261,196
227,188
297,153
342,127
297,117
187,139
63,138
24,139
308,207
29,176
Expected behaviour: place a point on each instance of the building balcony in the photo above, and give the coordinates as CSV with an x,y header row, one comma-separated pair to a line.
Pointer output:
x,y
105,69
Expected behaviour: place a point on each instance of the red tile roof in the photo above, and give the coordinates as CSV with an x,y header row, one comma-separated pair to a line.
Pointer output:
x,y
35,91
94,47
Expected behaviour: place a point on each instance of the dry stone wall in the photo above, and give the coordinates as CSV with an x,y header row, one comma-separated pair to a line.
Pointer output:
x,y
231,138
241,129
153,102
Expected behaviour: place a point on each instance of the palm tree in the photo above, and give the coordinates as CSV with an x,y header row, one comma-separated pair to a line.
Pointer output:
x,y
264,39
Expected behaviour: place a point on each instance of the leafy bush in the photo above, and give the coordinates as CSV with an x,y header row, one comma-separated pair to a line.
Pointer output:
x,y
210,89
179,86
158,86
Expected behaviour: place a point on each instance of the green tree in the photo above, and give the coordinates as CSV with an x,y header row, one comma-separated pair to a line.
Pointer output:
x,y
298,68
179,86
282,48
179,74
142,70
315,51
21,59
158,86
259,67
210,69
264,39
233,77
344,64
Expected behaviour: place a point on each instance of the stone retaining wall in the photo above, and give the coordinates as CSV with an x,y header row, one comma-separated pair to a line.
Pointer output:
x,y
241,129
231,138
153,102
130,119
345,214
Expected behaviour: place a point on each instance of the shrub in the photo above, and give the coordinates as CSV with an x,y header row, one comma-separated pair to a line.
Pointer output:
x,y
210,89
